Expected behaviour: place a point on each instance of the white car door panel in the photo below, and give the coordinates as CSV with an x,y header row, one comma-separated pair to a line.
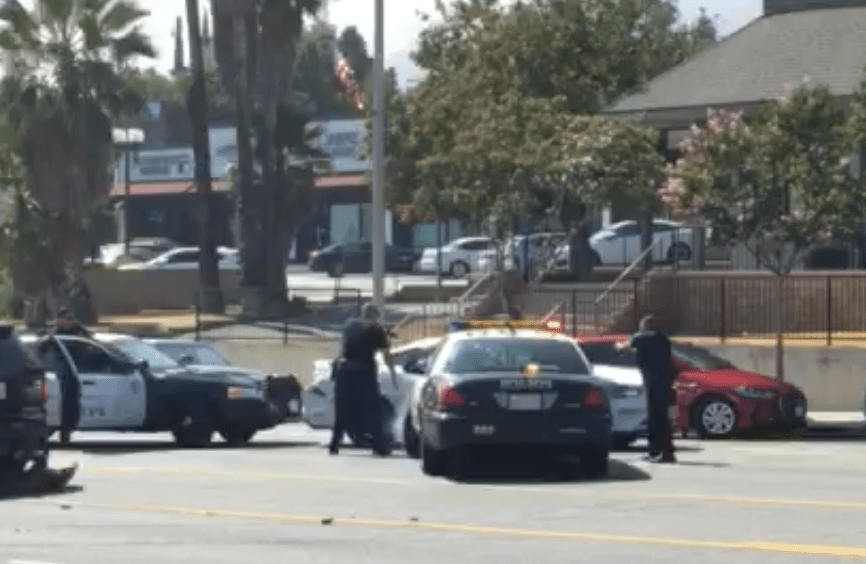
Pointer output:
x,y
111,395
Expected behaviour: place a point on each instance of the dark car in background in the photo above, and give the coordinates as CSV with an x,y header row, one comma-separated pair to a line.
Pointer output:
x,y
357,258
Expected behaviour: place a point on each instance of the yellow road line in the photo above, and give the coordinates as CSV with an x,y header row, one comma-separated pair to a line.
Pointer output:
x,y
482,530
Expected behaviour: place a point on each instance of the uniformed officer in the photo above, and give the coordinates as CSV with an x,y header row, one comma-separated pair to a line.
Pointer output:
x,y
653,350
356,386
70,387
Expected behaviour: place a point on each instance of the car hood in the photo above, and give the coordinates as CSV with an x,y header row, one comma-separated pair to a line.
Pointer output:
x,y
733,378
223,370
619,375
207,374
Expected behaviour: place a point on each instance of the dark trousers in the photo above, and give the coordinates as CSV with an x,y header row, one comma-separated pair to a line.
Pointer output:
x,y
661,440
357,406
70,413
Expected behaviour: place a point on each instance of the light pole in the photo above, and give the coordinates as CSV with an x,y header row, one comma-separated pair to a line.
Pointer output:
x,y
378,241
127,139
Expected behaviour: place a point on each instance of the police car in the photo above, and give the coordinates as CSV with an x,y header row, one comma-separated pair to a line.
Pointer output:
x,y
128,385
513,388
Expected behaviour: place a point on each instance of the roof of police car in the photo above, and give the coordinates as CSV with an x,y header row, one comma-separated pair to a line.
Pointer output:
x,y
504,333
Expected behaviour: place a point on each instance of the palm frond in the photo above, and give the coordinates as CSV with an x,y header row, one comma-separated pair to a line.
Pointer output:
x,y
120,15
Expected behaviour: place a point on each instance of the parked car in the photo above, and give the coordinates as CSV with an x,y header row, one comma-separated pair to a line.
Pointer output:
x,y
187,258
283,391
540,248
140,250
715,398
357,258
458,257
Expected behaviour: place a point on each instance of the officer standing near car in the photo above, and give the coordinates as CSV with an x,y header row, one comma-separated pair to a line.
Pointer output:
x,y
356,382
70,387
653,349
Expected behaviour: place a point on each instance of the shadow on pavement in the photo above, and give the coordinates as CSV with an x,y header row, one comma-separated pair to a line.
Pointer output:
x,y
515,473
13,496
133,447
642,449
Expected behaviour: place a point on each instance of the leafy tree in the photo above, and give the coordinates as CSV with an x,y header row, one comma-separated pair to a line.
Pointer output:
x,y
779,185
351,43
62,88
315,73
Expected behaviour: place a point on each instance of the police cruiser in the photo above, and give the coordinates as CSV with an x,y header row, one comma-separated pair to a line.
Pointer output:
x,y
128,385
507,387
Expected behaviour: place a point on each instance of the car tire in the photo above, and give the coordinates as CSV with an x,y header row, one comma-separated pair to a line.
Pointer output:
x,y
195,427
336,270
237,437
595,462
623,442
434,462
679,252
459,269
411,440
715,418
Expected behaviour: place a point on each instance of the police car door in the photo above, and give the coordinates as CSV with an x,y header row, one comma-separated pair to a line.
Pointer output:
x,y
112,395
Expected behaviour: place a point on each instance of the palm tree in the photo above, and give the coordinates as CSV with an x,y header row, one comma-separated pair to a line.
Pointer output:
x,y
62,87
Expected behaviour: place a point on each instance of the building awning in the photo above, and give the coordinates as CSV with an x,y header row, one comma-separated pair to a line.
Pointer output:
x,y
343,181
163,188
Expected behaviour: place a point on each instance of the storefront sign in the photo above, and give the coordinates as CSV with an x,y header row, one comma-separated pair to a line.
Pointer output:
x,y
343,142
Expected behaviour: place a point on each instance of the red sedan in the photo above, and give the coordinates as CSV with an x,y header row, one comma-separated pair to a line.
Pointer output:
x,y
715,398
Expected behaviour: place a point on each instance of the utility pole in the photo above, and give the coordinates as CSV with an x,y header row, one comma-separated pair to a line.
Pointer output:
x,y
378,241
210,297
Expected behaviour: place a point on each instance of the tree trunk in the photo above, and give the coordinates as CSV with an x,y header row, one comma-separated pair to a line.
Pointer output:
x,y
210,297
780,329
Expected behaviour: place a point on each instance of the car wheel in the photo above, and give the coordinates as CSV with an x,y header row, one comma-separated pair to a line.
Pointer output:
x,y
195,427
335,270
459,269
623,442
434,462
595,462
237,437
679,252
411,440
715,418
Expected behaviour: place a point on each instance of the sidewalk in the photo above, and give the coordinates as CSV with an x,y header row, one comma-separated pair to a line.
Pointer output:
x,y
836,419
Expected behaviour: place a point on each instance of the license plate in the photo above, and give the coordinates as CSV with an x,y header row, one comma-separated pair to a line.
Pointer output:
x,y
2,390
525,402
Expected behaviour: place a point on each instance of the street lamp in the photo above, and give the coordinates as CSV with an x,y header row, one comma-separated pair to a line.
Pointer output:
x,y
127,139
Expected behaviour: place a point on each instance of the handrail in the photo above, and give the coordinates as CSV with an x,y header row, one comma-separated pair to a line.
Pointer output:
x,y
624,273
552,312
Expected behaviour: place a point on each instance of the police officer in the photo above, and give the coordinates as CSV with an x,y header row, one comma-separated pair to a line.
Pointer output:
x,y
67,324
653,350
356,387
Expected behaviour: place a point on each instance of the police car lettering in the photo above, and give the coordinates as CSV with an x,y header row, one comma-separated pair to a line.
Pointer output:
x,y
525,384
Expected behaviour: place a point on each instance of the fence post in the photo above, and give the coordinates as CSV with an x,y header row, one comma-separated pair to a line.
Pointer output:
x,y
574,313
723,317
285,328
829,311
197,299
359,301
424,318
635,304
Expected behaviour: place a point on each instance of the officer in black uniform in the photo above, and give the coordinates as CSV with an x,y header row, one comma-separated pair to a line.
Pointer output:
x,y
356,387
653,350
70,387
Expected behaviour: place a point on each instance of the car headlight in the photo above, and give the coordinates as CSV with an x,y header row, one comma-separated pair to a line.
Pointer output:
x,y
622,392
244,392
752,393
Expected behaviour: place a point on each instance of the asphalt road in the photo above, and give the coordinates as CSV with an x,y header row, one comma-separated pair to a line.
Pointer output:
x,y
284,499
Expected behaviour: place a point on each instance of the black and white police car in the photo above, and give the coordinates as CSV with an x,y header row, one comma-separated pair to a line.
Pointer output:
x,y
504,387
128,385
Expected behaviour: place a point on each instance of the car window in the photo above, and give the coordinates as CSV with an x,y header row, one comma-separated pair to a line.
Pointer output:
x,y
606,353
512,355
185,256
473,245
140,351
627,230
662,227
210,357
700,359
90,358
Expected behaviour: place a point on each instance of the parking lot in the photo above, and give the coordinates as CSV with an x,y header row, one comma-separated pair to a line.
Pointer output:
x,y
284,499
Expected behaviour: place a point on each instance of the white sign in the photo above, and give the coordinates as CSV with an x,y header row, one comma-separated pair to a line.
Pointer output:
x,y
343,142
157,165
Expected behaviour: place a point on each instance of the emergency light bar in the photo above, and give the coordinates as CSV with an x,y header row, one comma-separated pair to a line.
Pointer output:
x,y
555,325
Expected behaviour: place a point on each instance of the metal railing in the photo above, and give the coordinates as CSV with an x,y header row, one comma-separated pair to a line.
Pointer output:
x,y
613,285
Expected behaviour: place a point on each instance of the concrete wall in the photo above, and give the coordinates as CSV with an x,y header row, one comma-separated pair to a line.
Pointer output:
x,y
273,357
833,379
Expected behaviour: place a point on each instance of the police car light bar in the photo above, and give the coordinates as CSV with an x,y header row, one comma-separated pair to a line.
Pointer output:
x,y
553,325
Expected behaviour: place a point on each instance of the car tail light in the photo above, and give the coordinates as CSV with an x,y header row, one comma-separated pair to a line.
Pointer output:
x,y
593,399
554,325
43,389
450,398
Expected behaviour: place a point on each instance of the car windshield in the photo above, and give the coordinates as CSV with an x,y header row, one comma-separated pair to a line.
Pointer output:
x,y
141,351
700,359
606,354
201,354
512,355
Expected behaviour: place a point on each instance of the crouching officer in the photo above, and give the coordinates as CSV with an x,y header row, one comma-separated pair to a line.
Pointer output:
x,y
356,381
653,350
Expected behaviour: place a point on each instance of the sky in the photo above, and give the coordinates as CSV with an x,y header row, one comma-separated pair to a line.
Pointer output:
x,y
402,24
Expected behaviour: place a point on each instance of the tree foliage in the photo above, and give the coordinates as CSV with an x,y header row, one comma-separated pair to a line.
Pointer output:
x,y
781,183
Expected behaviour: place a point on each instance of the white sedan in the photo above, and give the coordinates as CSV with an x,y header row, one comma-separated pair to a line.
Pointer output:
x,y
187,258
459,256
317,399
627,403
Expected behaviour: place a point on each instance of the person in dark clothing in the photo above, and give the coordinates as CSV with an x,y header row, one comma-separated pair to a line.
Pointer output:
x,y
70,387
356,386
653,350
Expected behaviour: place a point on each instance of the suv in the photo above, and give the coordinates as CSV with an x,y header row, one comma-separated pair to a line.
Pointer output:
x,y
23,425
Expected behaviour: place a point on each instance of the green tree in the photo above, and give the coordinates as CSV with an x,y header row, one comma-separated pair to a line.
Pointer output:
x,y
779,185
61,90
